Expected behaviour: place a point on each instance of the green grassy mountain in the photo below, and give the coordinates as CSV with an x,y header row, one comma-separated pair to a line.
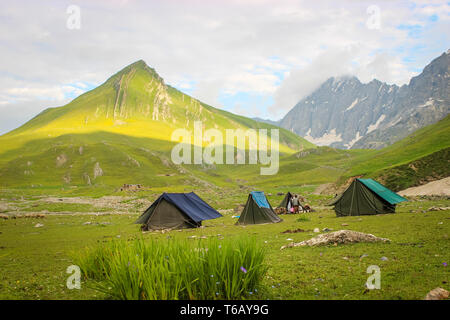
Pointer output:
x,y
421,157
119,132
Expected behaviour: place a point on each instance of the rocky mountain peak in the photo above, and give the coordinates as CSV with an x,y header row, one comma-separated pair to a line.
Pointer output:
x,y
345,113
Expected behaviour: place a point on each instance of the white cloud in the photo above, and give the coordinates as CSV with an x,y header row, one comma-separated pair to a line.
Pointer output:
x,y
213,47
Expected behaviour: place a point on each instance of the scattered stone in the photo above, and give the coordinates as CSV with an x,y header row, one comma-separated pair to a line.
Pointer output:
x,y
87,222
60,160
38,225
363,256
437,294
293,231
280,194
344,224
225,211
327,229
316,230
131,187
438,208
338,237
289,239
384,259
280,210
98,171
239,208
440,222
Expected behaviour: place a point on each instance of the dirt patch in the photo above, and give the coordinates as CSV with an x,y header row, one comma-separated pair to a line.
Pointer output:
x,y
439,187
294,231
326,188
338,237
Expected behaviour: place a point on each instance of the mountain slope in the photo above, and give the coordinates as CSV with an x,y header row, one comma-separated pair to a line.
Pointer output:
x,y
119,132
345,113
421,157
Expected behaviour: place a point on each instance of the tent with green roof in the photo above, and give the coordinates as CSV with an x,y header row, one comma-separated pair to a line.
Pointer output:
x,y
366,197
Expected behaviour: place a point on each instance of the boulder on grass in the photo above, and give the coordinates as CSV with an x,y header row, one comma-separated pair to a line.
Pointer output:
x,y
338,237
437,294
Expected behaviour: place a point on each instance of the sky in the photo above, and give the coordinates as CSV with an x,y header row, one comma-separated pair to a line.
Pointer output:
x,y
256,58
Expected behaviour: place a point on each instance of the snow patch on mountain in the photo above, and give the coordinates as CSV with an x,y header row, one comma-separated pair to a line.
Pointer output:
x,y
352,142
429,103
326,139
354,103
374,126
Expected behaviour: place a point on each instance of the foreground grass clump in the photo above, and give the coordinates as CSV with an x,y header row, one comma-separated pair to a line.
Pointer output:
x,y
175,268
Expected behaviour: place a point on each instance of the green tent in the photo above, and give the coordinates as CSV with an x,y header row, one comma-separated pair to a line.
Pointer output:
x,y
258,210
366,197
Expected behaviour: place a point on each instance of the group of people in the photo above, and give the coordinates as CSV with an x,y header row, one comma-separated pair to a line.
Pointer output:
x,y
296,204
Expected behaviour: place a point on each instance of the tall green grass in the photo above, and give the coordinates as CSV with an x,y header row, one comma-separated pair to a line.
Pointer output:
x,y
175,268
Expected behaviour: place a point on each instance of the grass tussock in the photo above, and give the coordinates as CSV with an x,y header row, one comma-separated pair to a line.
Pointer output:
x,y
175,268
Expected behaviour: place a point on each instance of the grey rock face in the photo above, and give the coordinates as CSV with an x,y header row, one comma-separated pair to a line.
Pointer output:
x,y
345,113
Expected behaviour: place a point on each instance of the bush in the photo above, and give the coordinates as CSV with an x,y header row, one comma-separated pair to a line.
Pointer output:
x,y
303,218
175,269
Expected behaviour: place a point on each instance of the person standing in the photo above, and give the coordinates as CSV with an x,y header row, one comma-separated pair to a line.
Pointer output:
x,y
295,203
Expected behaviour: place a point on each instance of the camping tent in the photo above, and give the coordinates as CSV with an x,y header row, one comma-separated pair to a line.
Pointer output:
x,y
286,203
257,210
176,211
366,197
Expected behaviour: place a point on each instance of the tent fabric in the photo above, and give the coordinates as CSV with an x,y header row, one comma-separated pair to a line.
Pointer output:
x,y
177,210
382,191
253,213
285,202
260,199
359,199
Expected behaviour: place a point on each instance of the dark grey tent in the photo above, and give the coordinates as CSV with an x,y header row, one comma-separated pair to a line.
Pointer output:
x,y
366,197
176,211
284,203
257,210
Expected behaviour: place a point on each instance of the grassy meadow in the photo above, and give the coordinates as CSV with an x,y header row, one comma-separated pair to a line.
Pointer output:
x,y
33,260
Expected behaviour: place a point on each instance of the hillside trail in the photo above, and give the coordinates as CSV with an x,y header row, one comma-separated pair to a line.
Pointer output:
x,y
439,187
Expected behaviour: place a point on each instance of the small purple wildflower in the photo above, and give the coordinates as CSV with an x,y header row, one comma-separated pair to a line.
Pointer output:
x,y
444,264
243,270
